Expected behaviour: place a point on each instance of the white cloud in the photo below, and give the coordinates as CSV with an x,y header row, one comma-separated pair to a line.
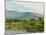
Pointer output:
x,y
31,7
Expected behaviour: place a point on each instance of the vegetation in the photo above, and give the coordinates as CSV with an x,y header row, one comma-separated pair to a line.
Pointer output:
x,y
32,25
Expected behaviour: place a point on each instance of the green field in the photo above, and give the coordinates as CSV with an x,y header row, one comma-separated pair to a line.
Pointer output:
x,y
32,25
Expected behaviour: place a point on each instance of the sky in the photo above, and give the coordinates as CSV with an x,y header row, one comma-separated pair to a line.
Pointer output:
x,y
24,6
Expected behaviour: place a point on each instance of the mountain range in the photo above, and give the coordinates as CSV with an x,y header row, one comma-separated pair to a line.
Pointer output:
x,y
21,15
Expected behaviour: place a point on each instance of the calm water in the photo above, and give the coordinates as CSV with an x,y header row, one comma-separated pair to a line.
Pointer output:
x,y
13,32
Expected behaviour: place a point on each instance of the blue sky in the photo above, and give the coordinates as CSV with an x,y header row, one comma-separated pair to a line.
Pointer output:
x,y
24,6
11,5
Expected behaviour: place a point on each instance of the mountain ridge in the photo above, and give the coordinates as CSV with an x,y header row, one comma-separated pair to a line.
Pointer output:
x,y
21,15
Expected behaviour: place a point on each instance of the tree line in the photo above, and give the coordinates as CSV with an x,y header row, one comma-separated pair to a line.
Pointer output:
x,y
32,25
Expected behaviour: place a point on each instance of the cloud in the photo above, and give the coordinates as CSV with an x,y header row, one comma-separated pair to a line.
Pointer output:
x,y
32,7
